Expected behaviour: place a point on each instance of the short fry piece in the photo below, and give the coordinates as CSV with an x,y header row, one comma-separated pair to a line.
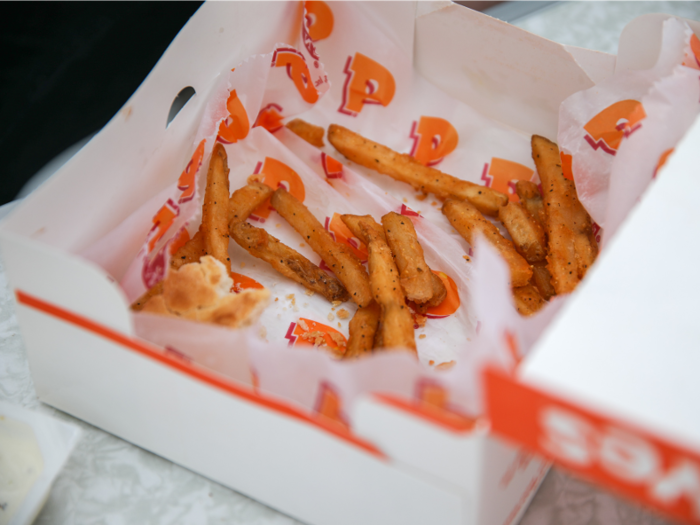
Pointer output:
x,y
245,200
155,290
528,236
362,328
527,300
339,257
310,133
353,224
214,225
405,168
401,237
287,261
572,245
467,220
396,321
439,291
531,199
542,280
189,252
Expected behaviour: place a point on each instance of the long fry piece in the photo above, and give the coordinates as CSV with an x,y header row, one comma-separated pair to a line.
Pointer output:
x,y
542,280
416,276
353,224
405,168
310,133
572,245
214,225
528,236
245,200
362,328
531,199
339,257
527,300
287,261
467,220
396,321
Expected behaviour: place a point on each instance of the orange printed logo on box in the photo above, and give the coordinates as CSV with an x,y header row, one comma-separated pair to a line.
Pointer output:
x,y
306,332
433,139
662,160
607,129
236,126
501,175
332,168
270,118
319,20
451,302
243,282
340,233
366,82
275,174
298,72
329,405
186,182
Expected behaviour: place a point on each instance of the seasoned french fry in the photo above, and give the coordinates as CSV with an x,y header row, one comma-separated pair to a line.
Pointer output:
x,y
245,200
401,237
572,245
353,224
542,280
339,257
439,291
310,133
527,300
396,320
139,303
189,252
528,236
531,199
214,227
362,328
405,168
287,261
467,220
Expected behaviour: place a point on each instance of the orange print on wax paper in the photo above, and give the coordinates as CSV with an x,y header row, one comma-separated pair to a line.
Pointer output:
x,y
451,302
319,19
162,221
366,82
306,332
340,233
433,139
329,406
662,160
186,182
298,72
501,175
274,174
567,165
331,167
607,129
270,118
236,126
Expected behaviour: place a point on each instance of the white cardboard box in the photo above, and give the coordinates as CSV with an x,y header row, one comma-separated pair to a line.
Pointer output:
x,y
399,465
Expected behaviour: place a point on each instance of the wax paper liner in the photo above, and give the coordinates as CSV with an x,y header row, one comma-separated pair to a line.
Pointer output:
x,y
632,109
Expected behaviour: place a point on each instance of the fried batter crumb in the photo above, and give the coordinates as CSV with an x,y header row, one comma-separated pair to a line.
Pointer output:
x,y
242,265
467,258
317,338
337,303
405,200
343,313
263,332
420,320
340,325
292,298
309,292
301,245
331,317
422,197
421,336
303,325
434,203
338,339
446,366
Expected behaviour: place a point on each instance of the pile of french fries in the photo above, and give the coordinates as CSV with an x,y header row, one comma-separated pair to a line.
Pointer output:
x,y
551,243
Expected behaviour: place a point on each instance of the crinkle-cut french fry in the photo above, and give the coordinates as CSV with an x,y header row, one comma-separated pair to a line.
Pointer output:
x,y
467,220
415,273
405,168
287,261
531,199
339,257
245,200
214,225
542,280
396,320
362,328
528,236
527,300
572,245
310,133
353,224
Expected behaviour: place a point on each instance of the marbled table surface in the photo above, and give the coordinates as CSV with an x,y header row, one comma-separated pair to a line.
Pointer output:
x,y
109,481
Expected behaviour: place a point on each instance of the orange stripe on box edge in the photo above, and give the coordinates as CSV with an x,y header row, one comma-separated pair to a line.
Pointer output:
x,y
156,353
453,424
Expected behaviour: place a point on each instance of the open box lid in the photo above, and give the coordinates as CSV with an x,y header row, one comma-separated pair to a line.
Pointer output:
x,y
611,391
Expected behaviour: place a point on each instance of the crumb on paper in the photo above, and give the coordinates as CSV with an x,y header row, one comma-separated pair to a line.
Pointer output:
x,y
343,313
434,203
263,332
277,225
301,245
292,298
303,325
446,366
338,339
421,336
331,317
242,265
422,197
405,200
295,309
277,299
431,362
317,338
467,258
309,292
420,320
340,325
336,303
279,316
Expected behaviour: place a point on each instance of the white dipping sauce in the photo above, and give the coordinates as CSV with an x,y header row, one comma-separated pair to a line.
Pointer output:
x,y
21,464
